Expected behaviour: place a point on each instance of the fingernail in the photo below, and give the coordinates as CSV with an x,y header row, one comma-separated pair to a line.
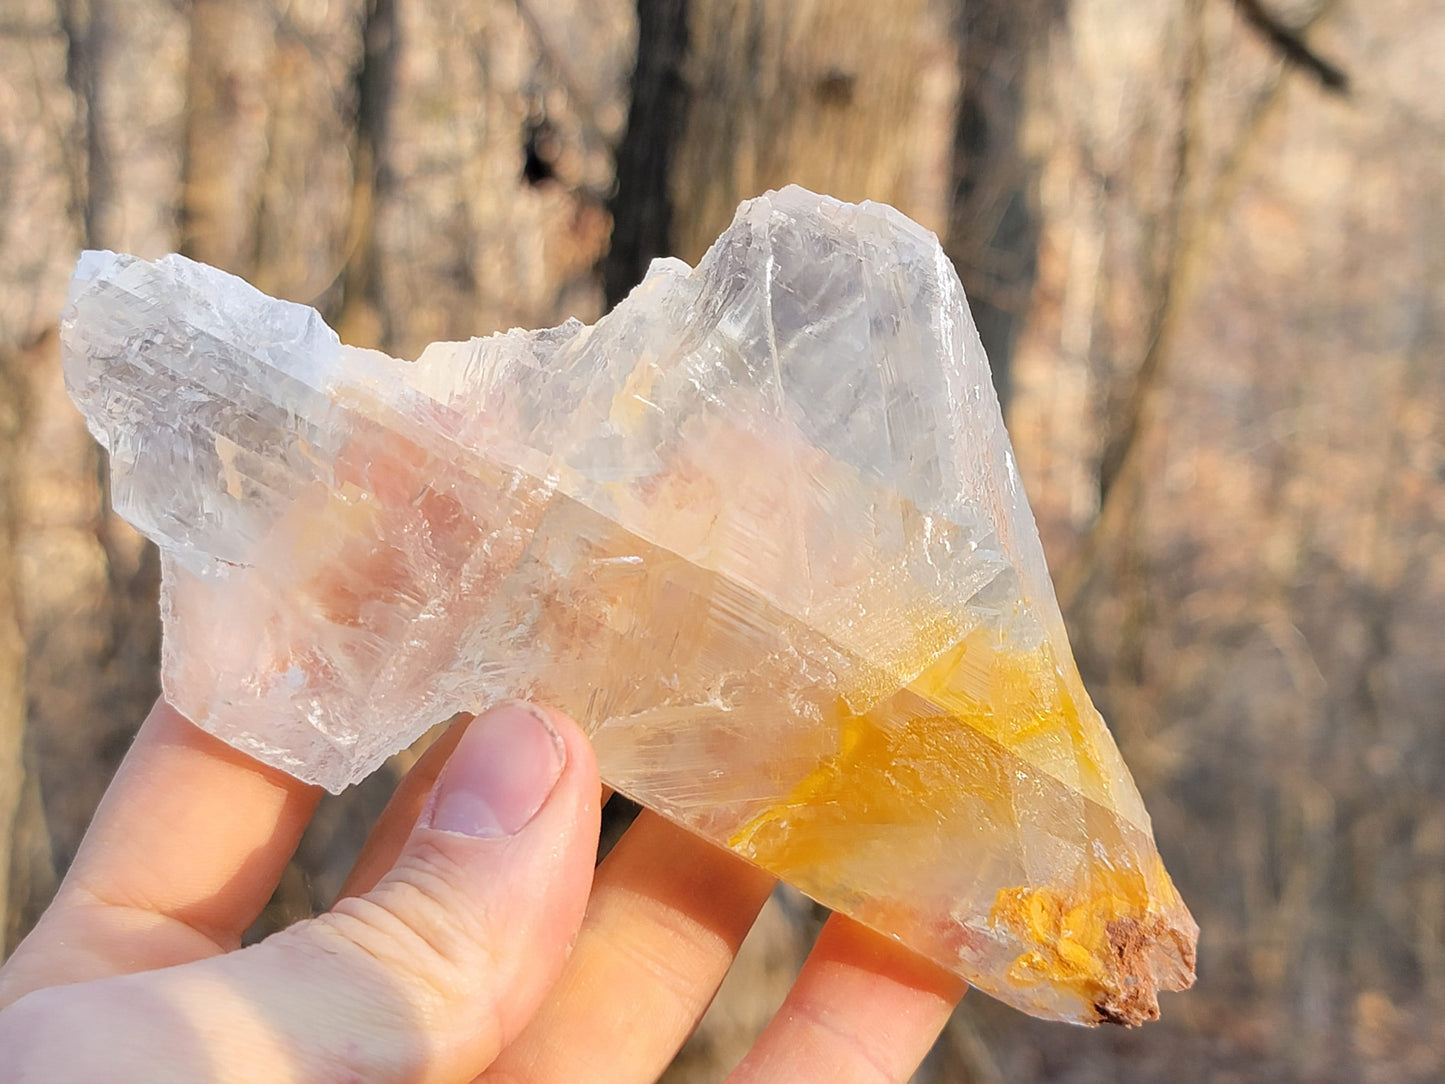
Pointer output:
x,y
499,775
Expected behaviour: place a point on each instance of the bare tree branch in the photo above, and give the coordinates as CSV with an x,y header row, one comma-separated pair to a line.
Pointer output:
x,y
1292,46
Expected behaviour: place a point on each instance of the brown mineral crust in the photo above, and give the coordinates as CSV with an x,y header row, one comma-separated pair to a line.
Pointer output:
x,y
1136,946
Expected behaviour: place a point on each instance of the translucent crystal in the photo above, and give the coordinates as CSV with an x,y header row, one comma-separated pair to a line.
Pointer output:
x,y
759,530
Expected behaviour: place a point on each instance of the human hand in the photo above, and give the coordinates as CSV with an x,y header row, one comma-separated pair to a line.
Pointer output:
x,y
471,941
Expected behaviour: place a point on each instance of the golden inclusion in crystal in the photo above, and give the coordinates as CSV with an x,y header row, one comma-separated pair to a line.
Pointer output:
x,y
1092,932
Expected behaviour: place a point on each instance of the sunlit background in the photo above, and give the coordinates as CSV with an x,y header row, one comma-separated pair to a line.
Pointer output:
x,y
1205,243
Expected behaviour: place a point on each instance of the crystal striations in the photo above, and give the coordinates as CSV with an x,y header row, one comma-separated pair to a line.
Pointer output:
x,y
759,530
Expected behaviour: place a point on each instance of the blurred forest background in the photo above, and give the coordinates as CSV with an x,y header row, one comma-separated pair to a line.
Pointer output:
x,y
1205,241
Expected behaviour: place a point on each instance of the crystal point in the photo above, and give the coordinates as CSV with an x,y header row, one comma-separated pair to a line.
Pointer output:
x,y
759,530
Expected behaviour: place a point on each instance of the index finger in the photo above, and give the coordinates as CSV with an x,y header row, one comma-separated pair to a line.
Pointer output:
x,y
183,853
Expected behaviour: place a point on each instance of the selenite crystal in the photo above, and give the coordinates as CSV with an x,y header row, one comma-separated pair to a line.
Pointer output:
x,y
759,530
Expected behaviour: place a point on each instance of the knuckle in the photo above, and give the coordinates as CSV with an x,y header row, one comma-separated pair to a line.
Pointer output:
x,y
868,1061
419,929
661,957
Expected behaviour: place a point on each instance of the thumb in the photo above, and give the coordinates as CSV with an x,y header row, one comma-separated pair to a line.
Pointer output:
x,y
425,977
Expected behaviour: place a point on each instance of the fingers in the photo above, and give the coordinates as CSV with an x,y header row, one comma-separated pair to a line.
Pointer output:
x,y
424,977
667,915
863,1011
392,829
183,853
390,832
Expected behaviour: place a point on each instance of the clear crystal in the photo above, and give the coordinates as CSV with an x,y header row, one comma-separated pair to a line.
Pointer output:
x,y
759,530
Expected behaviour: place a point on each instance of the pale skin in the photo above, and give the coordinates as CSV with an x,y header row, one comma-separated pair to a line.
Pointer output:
x,y
473,939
